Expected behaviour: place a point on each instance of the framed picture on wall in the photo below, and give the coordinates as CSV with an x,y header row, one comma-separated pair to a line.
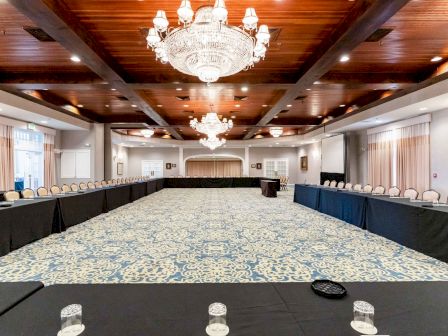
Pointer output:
x,y
173,165
259,166
168,166
304,162
120,167
253,165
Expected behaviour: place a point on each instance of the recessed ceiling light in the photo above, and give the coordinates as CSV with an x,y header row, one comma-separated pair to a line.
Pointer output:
x,y
342,105
436,59
44,122
107,105
264,105
423,108
191,117
45,89
344,58
237,105
133,105
80,105
186,105
113,89
178,89
233,117
276,117
244,89
319,116
308,89
377,120
159,105
75,59
289,105
277,143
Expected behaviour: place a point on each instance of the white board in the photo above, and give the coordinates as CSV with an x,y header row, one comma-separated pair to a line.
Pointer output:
x,y
75,164
68,164
333,154
83,164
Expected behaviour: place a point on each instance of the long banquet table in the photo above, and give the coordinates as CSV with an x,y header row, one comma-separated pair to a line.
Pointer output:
x,y
265,309
12,293
216,182
416,225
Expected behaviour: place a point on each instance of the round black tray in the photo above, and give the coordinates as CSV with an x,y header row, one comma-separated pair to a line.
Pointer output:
x,y
328,289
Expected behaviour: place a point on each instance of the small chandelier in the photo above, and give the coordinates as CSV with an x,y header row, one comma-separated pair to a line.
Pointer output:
x,y
211,125
276,132
147,133
208,47
212,142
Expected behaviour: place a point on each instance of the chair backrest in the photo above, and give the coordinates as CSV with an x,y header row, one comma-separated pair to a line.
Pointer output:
x,y
348,186
83,186
98,184
42,191
380,190
411,193
367,188
333,184
55,190
27,193
430,195
90,185
104,183
394,191
11,196
66,188
357,187
74,187
326,183
341,185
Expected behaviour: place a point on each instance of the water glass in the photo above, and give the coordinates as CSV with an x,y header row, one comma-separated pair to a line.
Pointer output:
x,y
363,313
217,324
71,320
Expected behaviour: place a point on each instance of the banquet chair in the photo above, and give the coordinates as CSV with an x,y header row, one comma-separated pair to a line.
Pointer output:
x,y
333,184
27,193
74,187
357,187
380,190
284,182
326,183
341,185
82,186
394,191
411,193
55,190
42,191
367,188
98,185
348,186
11,196
430,195
90,185
104,183
66,188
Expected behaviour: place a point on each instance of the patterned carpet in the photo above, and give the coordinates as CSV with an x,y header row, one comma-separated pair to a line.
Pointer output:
x,y
216,235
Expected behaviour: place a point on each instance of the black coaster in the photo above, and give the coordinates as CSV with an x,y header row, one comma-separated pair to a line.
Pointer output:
x,y
328,289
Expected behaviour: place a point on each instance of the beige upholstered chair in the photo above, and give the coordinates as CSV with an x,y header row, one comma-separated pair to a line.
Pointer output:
x,y
326,183
284,182
394,191
98,185
430,196
367,188
380,190
28,193
341,185
74,187
66,188
333,184
55,190
104,183
411,193
357,187
348,186
82,186
42,191
90,185
11,196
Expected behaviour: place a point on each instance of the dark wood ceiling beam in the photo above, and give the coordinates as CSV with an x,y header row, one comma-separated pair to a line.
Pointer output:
x,y
50,77
53,16
364,19
370,78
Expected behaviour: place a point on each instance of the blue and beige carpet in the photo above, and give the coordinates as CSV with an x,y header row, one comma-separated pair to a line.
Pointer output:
x,y
216,235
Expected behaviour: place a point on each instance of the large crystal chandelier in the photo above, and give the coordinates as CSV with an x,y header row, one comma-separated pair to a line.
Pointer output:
x,y
212,142
276,132
208,47
211,125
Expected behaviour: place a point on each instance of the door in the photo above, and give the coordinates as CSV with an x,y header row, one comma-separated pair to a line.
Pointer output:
x,y
152,168
275,168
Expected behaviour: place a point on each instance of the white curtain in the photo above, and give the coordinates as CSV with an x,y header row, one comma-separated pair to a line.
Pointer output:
x,y
6,158
380,157
49,161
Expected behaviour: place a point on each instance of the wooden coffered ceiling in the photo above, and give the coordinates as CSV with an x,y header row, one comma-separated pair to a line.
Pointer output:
x,y
300,84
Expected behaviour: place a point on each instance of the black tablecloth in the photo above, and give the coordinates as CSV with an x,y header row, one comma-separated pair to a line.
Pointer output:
x,y
78,208
25,222
138,190
151,187
12,293
268,188
216,182
346,206
415,309
117,196
307,195
160,184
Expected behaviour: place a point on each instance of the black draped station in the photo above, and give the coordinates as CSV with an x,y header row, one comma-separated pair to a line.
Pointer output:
x,y
418,225
280,309
268,188
12,293
216,182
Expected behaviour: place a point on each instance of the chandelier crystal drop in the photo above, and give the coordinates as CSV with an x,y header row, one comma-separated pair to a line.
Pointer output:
x,y
211,125
207,47
276,132
212,142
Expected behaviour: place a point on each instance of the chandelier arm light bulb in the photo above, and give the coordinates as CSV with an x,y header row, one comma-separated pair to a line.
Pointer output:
x,y
212,142
207,47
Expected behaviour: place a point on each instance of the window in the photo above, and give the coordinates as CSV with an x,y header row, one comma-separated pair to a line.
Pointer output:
x,y
28,159
275,168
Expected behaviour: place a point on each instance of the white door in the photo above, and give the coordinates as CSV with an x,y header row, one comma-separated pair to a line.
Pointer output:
x,y
274,168
152,168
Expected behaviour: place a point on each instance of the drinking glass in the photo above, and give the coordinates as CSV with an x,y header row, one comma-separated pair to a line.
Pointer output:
x,y
71,320
363,313
217,324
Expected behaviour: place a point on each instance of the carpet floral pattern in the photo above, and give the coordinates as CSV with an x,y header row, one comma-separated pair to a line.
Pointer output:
x,y
216,235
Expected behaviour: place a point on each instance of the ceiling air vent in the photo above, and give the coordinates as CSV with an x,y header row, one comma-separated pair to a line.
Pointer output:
x,y
240,98
38,34
275,32
188,111
122,98
301,98
183,98
379,34
284,111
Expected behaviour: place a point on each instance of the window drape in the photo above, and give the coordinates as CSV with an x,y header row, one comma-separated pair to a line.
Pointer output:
x,y
380,151
214,168
49,161
6,158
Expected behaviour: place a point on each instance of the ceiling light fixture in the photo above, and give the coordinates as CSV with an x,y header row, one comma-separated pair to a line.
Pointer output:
x,y
344,58
212,142
276,132
244,89
436,59
133,105
75,59
208,47
147,133
211,125
80,105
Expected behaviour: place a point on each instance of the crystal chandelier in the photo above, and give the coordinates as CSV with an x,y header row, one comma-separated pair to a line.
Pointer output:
x,y
276,132
208,47
211,125
212,142
147,133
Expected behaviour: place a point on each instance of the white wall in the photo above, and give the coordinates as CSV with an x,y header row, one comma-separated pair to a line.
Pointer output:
x,y
439,153
167,155
313,152
120,154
